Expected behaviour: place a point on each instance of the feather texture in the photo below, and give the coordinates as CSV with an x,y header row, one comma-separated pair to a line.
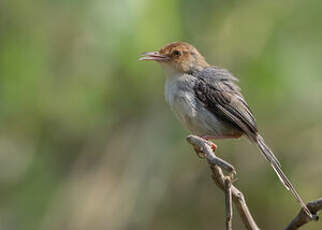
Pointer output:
x,y
217,90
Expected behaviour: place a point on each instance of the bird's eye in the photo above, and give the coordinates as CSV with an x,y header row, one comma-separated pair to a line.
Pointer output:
x,y
177,53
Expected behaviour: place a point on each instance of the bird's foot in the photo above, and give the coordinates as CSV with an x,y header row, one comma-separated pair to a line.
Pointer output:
x,y
199,153
212,145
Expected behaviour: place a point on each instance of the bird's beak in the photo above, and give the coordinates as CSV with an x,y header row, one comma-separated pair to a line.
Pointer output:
x,y
153,56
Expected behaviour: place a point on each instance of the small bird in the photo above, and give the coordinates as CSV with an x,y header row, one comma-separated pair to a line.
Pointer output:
x,y
207,100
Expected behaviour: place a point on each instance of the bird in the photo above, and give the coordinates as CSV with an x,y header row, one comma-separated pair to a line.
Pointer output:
x,y
209,103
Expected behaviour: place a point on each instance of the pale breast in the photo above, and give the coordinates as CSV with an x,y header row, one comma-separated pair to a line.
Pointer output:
x,y
190,111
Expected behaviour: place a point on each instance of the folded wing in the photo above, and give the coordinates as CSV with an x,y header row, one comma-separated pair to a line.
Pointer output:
x,y
216,88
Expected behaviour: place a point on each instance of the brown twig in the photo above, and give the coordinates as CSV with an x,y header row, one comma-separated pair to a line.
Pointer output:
x,y
219,178
233,194
203,146
302,218
229,205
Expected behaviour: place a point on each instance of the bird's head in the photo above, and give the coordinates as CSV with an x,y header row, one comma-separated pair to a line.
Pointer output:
x,y
177,57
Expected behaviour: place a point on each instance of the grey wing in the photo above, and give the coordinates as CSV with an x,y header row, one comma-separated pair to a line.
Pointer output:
x,y
216,88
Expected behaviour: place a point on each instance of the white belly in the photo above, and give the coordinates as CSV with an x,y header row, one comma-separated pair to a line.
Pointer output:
x,y
189,110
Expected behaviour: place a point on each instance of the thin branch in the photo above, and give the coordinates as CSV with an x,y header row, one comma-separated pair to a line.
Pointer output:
x,y
302,218
203,146
232,193
238,199
219,178
229,205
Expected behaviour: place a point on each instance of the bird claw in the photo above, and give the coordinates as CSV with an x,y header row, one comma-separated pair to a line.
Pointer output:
x,y
212,145
200,153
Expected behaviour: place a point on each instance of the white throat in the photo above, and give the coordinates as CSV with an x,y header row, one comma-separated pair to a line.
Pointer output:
x,y
171,84
170,71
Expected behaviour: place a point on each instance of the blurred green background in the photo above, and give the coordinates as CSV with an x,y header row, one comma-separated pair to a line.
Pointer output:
x,y
88,142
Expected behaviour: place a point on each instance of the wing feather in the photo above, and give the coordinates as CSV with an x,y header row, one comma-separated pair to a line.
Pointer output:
x,y
216,88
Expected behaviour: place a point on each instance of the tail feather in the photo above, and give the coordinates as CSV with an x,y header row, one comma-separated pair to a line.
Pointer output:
x,y
267,152
269,155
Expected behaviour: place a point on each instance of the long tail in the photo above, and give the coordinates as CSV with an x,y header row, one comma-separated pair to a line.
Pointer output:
x,y
269,155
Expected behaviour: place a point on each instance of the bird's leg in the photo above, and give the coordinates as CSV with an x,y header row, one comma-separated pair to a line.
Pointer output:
x,y
213,146
221,137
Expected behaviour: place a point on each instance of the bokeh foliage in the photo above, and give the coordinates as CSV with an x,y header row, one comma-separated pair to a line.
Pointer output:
x,y
87,141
